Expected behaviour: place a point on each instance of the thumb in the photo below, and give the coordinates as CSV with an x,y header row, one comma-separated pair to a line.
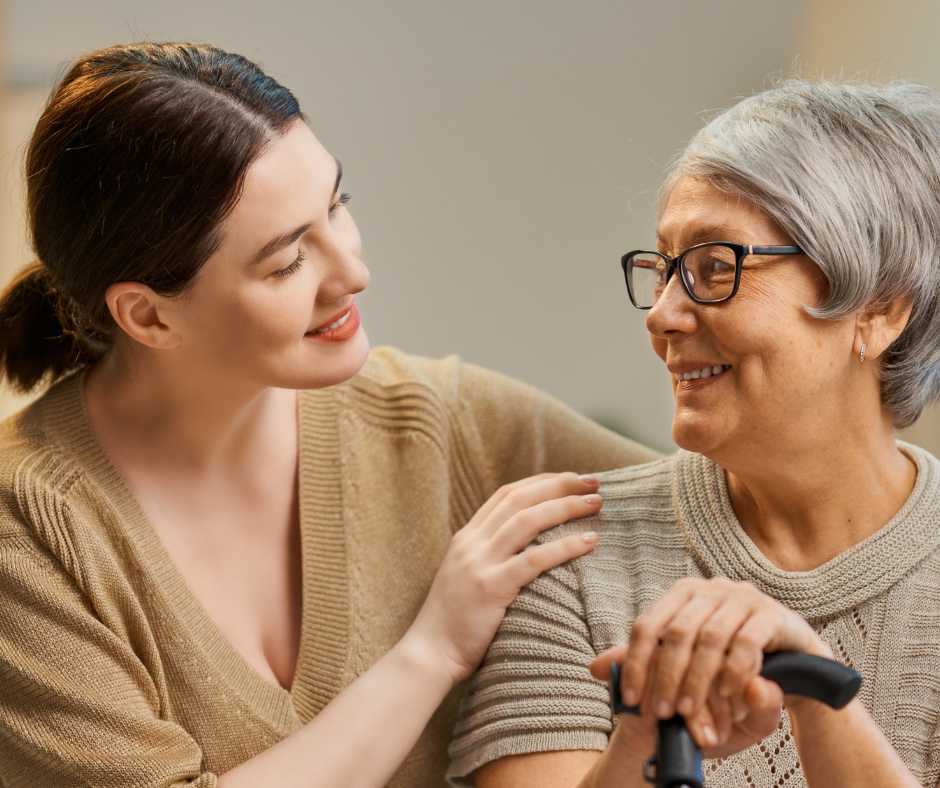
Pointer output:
x,y
600,667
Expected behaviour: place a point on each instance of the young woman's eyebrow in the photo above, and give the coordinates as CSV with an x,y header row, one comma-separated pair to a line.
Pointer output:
x,y
280,242
286,239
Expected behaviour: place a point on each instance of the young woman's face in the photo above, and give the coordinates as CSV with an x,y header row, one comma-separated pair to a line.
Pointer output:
x,y
274,305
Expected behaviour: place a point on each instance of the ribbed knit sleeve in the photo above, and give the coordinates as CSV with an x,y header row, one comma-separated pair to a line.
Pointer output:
x,y
534,692
77,707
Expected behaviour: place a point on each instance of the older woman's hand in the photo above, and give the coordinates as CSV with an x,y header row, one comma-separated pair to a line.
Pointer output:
x,y
698,652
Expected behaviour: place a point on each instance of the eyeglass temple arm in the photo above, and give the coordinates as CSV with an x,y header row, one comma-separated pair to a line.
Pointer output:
x,y
774,250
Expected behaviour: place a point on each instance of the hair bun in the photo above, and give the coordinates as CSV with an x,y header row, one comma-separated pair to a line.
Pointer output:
x,y
34,345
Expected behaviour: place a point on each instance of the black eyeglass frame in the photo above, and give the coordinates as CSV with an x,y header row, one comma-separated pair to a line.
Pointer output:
x,y
673,263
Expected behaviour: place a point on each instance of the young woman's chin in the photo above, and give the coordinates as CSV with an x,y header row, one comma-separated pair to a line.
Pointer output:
x,y
327,364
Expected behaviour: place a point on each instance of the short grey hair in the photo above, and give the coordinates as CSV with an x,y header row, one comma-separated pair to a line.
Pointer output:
x,y
851,171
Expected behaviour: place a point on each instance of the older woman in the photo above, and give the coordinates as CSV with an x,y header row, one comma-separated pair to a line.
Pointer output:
x,y
793,300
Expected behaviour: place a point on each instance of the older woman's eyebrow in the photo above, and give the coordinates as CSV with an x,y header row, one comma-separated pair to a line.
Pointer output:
x,y
703,233
284,240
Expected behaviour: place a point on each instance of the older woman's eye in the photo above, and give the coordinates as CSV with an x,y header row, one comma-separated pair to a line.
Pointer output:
x,y
344,198
715,266
292,268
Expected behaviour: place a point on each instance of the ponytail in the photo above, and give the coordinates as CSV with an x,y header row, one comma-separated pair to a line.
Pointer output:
x,y
35,347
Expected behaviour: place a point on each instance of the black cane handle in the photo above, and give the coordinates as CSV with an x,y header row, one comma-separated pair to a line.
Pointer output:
x,y
678,761
813,677
797,674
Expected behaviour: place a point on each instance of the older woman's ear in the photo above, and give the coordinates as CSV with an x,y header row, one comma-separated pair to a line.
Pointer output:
x,y
875,331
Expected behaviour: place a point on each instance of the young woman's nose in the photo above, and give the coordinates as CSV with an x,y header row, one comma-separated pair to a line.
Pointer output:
x,y
346,273
673,312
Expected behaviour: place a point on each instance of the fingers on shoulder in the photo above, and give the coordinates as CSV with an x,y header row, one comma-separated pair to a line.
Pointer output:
x,y
529,564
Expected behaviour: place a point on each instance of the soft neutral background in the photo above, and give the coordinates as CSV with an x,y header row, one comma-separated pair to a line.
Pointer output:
x,y
502,154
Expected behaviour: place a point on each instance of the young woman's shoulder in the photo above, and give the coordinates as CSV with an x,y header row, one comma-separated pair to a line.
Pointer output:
x,y
41,446
520,429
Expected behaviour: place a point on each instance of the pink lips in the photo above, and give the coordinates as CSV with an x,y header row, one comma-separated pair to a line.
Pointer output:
x,y
340,333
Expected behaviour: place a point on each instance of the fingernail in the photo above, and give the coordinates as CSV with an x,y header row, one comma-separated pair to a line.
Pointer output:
x,y
722,738
593,499
629,697
685,705
739,715
709,735
663,710
589,478
589,538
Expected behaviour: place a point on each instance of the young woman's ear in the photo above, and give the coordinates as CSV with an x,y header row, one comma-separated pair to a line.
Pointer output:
x,y
140,313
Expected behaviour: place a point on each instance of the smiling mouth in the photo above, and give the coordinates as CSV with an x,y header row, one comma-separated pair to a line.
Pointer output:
x,y
704,372
337,324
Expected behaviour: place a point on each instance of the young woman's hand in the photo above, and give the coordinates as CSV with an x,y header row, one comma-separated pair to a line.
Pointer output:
x,y
698,652
487,564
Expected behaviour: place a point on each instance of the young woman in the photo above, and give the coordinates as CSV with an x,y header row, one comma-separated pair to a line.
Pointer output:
x,y
236,547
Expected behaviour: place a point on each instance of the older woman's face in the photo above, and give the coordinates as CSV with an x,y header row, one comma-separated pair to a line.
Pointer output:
x,y
783,372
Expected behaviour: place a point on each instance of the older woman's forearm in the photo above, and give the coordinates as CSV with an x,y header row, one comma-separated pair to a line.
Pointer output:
x,y
845,749
619,766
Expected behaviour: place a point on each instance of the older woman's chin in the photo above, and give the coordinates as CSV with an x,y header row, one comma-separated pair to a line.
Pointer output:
x,y
697,432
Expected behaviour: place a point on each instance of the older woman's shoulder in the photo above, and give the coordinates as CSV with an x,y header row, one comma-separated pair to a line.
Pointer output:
x,y
638,500
624,489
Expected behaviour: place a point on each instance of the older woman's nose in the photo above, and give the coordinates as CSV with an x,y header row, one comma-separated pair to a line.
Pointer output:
x,y
673,311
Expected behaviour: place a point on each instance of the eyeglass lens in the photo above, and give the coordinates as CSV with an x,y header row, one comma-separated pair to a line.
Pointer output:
x,y
708,273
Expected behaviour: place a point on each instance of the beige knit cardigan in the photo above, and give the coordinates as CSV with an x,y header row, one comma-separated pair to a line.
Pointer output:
x,y
877,605
112,674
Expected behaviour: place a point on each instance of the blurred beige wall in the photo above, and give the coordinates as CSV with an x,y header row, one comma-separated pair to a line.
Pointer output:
x,y
876,39
18,111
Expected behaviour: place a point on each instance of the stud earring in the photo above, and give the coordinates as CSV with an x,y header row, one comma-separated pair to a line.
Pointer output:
x,y
861,356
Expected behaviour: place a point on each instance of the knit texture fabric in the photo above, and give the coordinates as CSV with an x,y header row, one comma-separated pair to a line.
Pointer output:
x,y
112,674
877,605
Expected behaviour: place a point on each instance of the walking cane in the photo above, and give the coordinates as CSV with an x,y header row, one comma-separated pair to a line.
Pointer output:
x,y
677,762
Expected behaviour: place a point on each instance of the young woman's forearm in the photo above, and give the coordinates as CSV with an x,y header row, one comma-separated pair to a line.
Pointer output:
x,y
363,735
845,749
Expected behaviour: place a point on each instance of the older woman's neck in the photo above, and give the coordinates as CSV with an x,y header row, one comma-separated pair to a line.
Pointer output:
x,y
802,509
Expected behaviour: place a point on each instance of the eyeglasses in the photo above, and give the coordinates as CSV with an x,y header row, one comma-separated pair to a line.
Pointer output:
x,y
710,273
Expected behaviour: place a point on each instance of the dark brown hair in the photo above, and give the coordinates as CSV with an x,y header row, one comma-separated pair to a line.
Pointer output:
x,y
140,153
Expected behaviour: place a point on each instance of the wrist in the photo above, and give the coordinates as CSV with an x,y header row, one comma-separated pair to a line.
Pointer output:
x,y
631,744
422,653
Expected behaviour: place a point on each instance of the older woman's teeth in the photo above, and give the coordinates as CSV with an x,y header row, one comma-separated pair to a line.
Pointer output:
x,y
337,324
705,372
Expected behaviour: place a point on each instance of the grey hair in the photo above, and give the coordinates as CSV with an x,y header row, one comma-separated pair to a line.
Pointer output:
x,y
851,171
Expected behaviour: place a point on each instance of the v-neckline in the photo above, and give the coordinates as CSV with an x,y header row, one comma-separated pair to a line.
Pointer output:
x,y
322,655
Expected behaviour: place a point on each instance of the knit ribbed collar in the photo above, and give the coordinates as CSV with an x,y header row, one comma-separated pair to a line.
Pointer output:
x,y
322,662
721,547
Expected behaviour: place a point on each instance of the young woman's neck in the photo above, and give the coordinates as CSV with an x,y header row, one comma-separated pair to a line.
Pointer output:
x,y
149,405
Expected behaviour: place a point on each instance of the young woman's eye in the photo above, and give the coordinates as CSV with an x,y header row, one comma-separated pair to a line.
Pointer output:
x,y
344,198
293,267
